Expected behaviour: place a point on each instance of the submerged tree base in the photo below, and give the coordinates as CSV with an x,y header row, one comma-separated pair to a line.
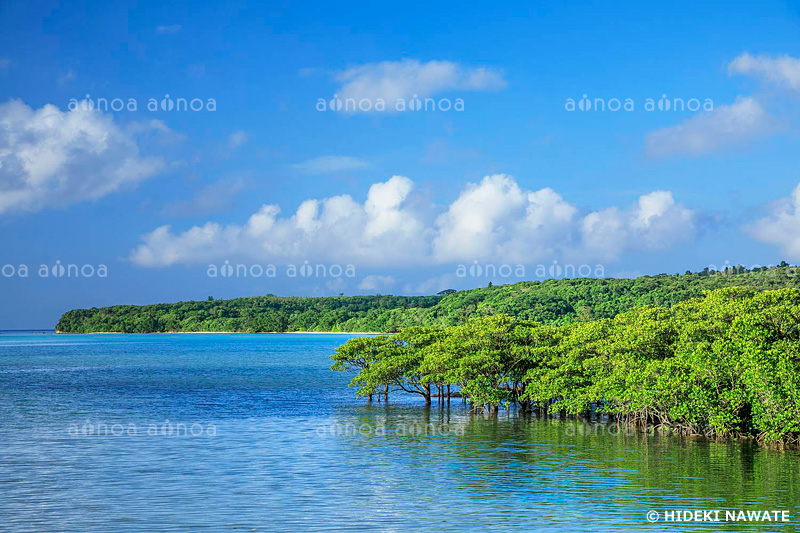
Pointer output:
x,y
723,366
602,424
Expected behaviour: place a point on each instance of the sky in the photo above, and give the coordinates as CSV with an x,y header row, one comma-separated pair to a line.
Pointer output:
x,y
157,153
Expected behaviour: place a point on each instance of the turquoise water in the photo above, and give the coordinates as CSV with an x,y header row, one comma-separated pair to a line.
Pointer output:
x,y
264,437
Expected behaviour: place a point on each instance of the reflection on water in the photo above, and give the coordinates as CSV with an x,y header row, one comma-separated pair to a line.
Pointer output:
x,y
291,449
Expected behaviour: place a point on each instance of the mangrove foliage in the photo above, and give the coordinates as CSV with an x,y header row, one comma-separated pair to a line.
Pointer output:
x,y
724,364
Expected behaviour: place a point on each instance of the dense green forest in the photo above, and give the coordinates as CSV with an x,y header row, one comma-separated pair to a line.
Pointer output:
x,y
560,301
720,365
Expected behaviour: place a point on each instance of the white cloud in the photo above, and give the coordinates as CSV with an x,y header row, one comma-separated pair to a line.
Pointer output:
x,y
330,164
655,222
781,227
781,70
392,80
380,231
5,64
54,158
154,130
496,219
735,125
374,282
168,30
545,229
727,126
481,216
493,220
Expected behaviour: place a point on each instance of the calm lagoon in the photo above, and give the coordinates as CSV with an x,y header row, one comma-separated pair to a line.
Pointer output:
x,y
254,432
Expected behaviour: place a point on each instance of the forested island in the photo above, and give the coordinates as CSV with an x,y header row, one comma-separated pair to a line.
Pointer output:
x,y
559,301
725,364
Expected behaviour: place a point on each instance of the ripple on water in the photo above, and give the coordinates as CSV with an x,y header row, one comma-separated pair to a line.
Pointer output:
x,y
292,450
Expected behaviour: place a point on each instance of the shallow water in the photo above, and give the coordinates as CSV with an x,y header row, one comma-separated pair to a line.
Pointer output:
x,y
265,437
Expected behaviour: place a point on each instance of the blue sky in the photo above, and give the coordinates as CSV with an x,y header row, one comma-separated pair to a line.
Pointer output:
x,y
266,178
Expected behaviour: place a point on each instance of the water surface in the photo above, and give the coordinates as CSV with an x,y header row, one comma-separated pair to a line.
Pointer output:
x,y
265,437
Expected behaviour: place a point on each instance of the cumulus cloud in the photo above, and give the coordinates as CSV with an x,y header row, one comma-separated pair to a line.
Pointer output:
x,y
329,164
54,158
782,70
374,282
478,218
543,231
392,80
494,219
382,230
655,222
726,127
781,226
497,218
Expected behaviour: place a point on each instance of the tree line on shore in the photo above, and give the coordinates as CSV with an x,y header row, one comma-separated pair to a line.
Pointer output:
x,y
725,364
559,301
